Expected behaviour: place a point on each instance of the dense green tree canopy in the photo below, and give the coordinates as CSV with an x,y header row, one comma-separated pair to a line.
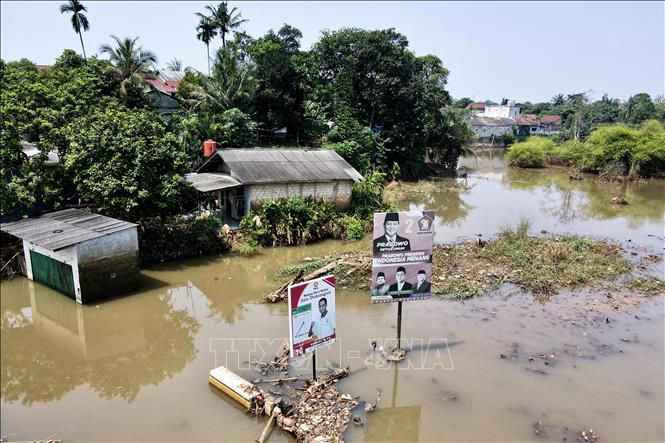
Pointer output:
x,y
126,161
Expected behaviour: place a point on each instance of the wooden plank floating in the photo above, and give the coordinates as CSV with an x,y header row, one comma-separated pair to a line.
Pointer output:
x,y
234,386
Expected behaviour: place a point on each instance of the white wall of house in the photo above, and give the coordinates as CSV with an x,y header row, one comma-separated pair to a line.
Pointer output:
x,y
486,131
501,111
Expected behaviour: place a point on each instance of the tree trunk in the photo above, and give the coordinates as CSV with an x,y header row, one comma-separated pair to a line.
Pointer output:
x,y
223,41
82,47
208,49
634,172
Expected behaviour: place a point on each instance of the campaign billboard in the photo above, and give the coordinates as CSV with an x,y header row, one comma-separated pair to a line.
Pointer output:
x,y
311,315
402,256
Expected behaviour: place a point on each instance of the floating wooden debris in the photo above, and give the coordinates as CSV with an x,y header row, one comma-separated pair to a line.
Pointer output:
x,y
350,262
313,411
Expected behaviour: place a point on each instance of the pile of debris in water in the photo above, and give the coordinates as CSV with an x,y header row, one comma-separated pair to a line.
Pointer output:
x,y
310,410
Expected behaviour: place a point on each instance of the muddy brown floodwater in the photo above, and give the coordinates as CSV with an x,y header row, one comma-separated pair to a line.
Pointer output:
x,y
496,368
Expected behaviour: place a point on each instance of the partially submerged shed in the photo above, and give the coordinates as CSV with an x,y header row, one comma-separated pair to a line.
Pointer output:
x,y
83,255
239,179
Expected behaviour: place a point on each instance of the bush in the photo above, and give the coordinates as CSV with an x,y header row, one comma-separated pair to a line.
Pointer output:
x,y
170,238
354,228
530,153
235,129
334,136
367,196
571,152
293,221
353,153
508,138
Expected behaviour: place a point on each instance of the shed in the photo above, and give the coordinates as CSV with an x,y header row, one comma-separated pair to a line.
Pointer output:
x,y
85,256
238,179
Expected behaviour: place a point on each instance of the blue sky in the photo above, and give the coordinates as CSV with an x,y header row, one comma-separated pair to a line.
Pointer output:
x,y
520,50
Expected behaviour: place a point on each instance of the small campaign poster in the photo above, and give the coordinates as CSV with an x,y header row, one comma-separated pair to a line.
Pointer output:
x,y
402,256
312,315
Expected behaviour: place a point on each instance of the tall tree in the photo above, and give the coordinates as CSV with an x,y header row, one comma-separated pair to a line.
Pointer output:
x,y
225,20
129,60
79,20
279,100
639,108
206,31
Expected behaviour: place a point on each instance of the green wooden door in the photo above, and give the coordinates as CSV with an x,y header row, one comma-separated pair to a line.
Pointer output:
x,y
52,273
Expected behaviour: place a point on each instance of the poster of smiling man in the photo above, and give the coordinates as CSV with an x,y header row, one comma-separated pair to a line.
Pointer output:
x,y
402,252
312,319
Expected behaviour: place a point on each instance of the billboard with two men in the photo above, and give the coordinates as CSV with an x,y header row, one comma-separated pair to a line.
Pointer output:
x,y
402,256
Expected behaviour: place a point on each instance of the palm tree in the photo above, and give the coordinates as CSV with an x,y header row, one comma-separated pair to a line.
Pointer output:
x,y
174,65
206,32
558,100
225,20
232,85
129,60
79,20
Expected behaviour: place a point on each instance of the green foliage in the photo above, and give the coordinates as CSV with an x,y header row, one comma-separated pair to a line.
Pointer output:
x,y
250,246
395,171
352,152
279,99
334,136
610,146
367,196
371,80
530,153
639,108
354,228
292,221
508,139
448,132
126,162
234,130
130,61
232,85
41,106
305,267
174,237
632,151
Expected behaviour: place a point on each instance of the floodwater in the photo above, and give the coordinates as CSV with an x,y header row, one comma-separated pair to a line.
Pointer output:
x,y
495,368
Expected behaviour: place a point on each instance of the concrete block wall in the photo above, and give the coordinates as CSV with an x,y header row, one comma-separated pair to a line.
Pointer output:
x,y
108,265
336,192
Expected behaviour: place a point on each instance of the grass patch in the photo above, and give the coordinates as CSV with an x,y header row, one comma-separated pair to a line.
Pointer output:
x,y
649,285
538,264
307,266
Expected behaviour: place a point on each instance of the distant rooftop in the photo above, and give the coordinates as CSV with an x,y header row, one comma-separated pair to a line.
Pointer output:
x,y
59,230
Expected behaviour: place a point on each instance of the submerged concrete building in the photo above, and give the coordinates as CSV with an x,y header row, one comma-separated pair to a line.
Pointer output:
x,y
83,255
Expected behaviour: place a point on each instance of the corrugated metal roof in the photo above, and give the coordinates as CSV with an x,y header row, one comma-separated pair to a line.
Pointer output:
x,y
492,121
259,165
211,181
59,230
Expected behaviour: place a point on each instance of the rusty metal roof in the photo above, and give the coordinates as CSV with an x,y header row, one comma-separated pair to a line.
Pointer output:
x,y
259,165
211,181
59,230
